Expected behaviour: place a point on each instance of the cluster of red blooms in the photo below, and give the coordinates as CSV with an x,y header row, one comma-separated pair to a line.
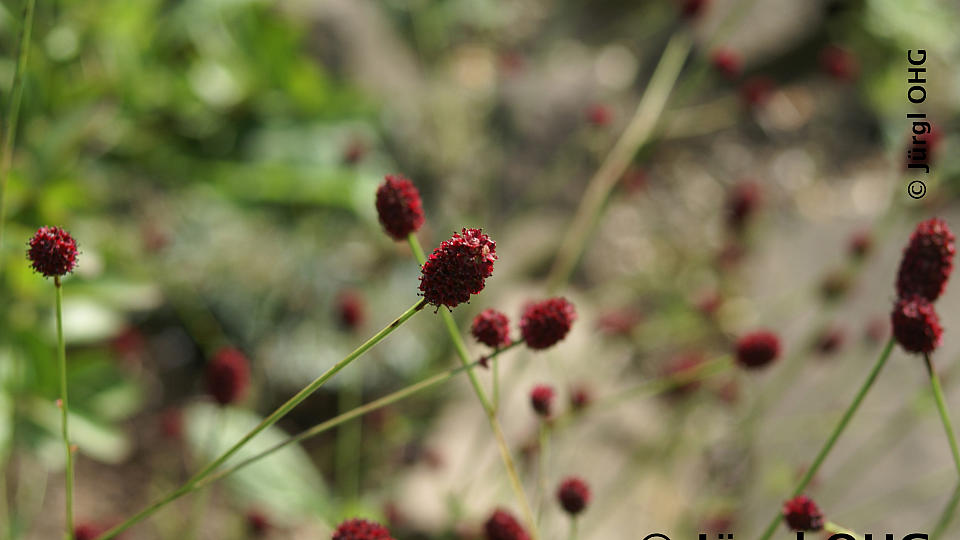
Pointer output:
x,y
573,495
501,525
801,514
545,323
53,252
541,399
458,268
350,310
839,63
742,203
399,207
361,529
228,375
926,265
758,349
492,328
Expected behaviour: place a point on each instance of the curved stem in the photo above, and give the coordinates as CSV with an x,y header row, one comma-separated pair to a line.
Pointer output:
x,y
837,431
13,110
947,515
488,407
267,422
636,134
64,408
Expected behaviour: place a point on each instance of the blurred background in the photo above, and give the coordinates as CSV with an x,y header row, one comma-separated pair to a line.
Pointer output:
x,y
216,161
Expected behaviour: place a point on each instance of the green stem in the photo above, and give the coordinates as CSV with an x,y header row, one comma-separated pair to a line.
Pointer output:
x,y
542,468
837,431
488,407
267,422
944,413
64,407
349,442
636,134
947,515
13,110
573,528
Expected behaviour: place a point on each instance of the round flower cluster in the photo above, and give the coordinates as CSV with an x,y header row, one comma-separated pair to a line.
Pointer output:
x,y
503,526
574,495
228,375
758,349
361,529
458,268
924,270
727,63
545,323
399,207
801,514
916,326
491,328
541,399
927,261
53,252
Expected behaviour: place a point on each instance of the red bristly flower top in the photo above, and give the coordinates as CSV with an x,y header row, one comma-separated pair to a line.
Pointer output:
x,y
758,349
573,495
491,328
503,526
927,261
361,529
399,207
916,326
228,375
545,323
801,514
53,252
458,268
541,399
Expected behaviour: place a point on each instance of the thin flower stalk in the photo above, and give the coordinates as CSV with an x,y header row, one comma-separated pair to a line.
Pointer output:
x,y
943,409
637,133
267,422
64,408
488,407
835,435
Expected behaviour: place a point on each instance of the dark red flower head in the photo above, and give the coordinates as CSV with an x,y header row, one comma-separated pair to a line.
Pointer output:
x,y
87,531
361,529
458,268
742,203
927,261
756,90
599,115
916,326
758,349
727,63
692,8
257,522
861,244
53,252
503,526
399,206
839,63
350,309
491,328
574,495
545,323
801,514
541,398
228,375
